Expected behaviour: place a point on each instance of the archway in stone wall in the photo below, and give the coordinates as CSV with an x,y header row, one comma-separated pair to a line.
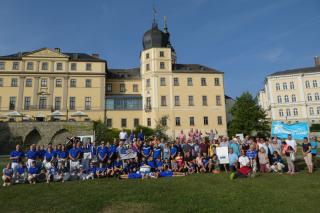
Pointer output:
x,y
32,137
60,136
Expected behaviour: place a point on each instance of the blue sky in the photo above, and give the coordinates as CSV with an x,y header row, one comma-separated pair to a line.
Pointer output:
x,y
246,39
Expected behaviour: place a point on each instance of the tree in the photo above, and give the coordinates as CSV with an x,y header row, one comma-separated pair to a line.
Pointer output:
x,y
248,117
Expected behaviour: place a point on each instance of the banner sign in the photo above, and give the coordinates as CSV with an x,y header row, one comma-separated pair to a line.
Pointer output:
x,y
127,154
297,130
223,155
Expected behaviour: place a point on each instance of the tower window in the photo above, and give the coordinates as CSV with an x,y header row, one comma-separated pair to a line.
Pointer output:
x,y
162,66
161,54
148,67
147,56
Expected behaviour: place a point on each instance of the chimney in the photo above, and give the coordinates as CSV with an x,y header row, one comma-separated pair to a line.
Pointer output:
x,y
96,55
57,49
317,61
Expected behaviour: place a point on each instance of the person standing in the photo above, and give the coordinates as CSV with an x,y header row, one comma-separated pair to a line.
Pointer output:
x,y
32,155
74,156
16,157
306,151
314,149
123,136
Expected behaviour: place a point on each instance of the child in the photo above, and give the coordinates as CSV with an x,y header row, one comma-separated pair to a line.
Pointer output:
x,y
109,169
21,176
174,165
33,173
263,161
215,164
7,175
91,171
51,172
277,163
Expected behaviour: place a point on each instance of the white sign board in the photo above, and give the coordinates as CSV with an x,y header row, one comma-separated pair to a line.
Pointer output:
x,y
241,136
223,155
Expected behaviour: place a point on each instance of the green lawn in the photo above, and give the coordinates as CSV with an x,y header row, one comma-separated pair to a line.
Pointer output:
x,y
194,193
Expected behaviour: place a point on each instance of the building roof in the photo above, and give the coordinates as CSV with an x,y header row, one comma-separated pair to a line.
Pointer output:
x,y
133,73
228,97
155,38
193,68
72,56
297,71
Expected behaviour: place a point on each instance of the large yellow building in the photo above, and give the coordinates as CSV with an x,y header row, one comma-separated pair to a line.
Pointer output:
x,y
38,83
182,96
293,95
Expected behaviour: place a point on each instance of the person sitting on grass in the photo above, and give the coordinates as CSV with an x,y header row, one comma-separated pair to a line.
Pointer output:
x,y
82,173
167,172
91,171
64,171
117,167
190,165
7,175
51,172
33,173
152,164
233,160
263,160
200,166
252,155
277,163
159,164
109,169
100,172
216,164
244,170
21,176
306,152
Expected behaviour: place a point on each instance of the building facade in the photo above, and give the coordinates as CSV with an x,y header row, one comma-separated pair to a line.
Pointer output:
x,y
181,96
37,83
293,95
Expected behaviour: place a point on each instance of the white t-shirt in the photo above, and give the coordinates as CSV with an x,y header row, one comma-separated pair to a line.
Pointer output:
x,y
292,143
244,161
123,135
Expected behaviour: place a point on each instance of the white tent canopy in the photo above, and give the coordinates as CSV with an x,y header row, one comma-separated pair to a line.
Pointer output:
x,y
57,113
79,114
13,114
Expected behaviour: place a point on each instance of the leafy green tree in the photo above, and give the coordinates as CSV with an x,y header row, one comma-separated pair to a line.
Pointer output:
x,y
248,117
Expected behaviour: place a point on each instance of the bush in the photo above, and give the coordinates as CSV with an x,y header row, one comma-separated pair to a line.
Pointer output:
x,y
315,128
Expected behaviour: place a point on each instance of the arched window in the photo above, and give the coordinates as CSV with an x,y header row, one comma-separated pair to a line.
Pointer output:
x,y
311,111
293,97
309,97
277,86
279,99
295,112
291,85
307,84
316,96
288,112
284,85
286,98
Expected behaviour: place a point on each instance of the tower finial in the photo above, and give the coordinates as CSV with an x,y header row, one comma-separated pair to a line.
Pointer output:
x,y
165,28
154,24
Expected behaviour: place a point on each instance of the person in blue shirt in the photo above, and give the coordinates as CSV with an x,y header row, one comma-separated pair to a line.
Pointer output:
x,y
48,157
7,175
32,155
16,157
252,154
91,171
159,164
62,155
55,151
235,146
146,151
102,155
277,162
51,172
109,169
314,149
112,152
74,156
233,160
100,172
117,167
21,176
132,136
33,173
152,164
141,135
157,152
173,151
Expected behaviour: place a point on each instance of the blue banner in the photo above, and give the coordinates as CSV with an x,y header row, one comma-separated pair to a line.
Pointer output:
x,y
297,130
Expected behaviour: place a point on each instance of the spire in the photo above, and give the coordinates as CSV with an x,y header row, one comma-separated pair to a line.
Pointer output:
x,y
165,25
154,24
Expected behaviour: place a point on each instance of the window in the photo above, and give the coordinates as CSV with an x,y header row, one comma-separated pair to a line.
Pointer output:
x,y
161,54
191,121
87,103
109,122
190,98
294,98
281,113
30,66
284,85
162,81
43,82
286,98
176,81
1,82
316,96
44,66
204,101
148,67
164,121
148,82
73,66
147,55
190,82
57,103
295,112
59,66
122,87
109,87
288,112
216,82
42,102
307,84
318,110
219,120
88,83
178,121
279,99
291,85
12,103
58,83
27,101
203,82
163,101
309,97
88,67
73,83
148,121
277,86
123,122
311,111
136,122
218,100
315,83
28,82
135,88
177,100
2,65
72,103
205,120
162,66
14,82
148,102
15,66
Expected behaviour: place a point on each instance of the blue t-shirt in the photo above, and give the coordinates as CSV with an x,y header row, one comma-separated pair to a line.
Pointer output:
x,y
151,164
56,152
233,158
74,152
235,148
173,150
166,174
63,154
8,172
21,170
146,150
52,170
314,147
251,154
32,154
117,164
103,152
92,170
33,170
156,153
112,149
159,163
141,136
49,155
41,153
19,154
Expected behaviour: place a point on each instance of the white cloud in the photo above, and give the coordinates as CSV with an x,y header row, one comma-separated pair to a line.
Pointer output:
x,y
274,55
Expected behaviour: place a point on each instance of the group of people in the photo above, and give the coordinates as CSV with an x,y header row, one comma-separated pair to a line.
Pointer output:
x,y
131,157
